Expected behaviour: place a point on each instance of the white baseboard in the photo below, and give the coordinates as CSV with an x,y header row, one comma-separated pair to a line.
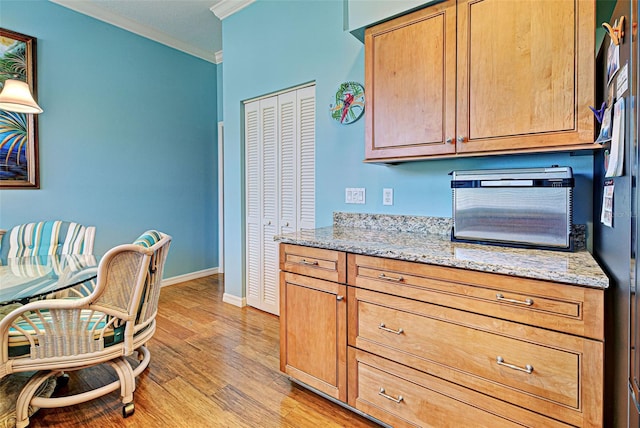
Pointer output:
x,y
234,300
189,276
227,298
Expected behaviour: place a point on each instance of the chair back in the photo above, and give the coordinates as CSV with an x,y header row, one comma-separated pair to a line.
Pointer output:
x,y
46,238
136,299
158,243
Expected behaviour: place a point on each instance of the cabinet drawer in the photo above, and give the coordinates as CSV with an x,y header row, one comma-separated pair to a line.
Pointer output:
x,y
560,307
314,262
401,396
523,365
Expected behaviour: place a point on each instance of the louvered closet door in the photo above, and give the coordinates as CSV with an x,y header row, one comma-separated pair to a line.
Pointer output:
x,y
280,181
270,291
287,104
306,209
262,203
253,161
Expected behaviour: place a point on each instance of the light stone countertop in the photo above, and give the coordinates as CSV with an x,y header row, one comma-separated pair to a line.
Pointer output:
x,y
427,240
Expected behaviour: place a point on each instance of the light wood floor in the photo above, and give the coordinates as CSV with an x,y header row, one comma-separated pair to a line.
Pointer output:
x,y
212,365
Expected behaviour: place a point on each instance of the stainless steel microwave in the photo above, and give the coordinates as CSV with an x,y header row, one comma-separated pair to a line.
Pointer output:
x,y
525,207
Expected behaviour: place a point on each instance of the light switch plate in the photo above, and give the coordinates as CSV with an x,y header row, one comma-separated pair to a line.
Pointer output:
x,y
354,195
348,195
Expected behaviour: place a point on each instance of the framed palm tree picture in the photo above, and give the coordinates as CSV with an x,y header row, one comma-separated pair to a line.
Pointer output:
x,y
18,131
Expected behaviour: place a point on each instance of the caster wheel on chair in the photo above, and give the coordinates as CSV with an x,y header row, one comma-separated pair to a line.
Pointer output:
x,y
128,410
62,381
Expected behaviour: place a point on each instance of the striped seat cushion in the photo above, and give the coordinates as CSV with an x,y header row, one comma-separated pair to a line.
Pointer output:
x,y
93,323
45,238
148,239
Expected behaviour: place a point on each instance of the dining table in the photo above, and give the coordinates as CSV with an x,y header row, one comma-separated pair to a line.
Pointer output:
x,y
23,279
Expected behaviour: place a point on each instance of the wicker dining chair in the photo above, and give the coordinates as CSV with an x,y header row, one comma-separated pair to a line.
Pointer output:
x,y
55,336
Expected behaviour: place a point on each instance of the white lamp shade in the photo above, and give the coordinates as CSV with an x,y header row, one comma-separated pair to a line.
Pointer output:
x,y
16,96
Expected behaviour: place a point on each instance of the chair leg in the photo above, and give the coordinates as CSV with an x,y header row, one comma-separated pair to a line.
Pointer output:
x,y
144,358
28,392
127,384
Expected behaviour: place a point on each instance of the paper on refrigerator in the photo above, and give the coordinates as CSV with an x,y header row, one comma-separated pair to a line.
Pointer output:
x,y
616,156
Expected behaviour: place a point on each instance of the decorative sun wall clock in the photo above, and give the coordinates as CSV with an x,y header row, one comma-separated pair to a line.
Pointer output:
x,y
348,105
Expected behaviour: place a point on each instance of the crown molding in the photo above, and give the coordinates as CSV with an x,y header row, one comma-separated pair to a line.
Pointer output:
x,y
218,57
226,8
101,14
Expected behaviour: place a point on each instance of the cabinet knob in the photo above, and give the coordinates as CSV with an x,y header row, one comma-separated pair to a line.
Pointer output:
x,y
460,139
449,140
286,224
339,298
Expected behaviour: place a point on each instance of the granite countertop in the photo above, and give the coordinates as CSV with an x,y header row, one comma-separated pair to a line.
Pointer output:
x,y
427,240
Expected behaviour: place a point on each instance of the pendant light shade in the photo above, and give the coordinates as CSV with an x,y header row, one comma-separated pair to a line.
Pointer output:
x,y
16,96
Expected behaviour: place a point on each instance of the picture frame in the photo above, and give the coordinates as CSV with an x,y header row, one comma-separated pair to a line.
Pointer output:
x,y
19,167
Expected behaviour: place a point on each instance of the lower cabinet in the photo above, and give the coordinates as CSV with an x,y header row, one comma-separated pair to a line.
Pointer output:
x,y
313,320
418,345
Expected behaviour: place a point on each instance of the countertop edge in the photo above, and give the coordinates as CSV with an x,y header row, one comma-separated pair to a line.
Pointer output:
x,y
598,282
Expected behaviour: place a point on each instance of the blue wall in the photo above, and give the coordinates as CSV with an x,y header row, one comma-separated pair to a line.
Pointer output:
x,y
128,137
273,45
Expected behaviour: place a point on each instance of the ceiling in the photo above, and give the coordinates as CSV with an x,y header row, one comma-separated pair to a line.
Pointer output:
x,y
191,26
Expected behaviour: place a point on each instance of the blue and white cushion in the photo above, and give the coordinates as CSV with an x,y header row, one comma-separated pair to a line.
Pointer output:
x,y
148,239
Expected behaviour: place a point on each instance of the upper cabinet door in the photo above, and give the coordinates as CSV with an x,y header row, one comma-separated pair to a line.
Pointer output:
x,y
481,77
525,74
410,84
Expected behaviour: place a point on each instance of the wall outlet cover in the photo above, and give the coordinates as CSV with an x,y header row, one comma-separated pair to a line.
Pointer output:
x,y
387,196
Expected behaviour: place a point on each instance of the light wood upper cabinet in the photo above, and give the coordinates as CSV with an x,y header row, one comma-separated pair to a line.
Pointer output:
x,y
410,84
523,72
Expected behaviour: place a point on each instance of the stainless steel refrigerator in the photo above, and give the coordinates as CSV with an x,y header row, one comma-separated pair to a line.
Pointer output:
x,y
616,246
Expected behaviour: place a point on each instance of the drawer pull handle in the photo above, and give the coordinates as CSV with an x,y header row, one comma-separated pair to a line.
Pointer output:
x,y
388,397
305,262
501,298
398,331
391,278
527,369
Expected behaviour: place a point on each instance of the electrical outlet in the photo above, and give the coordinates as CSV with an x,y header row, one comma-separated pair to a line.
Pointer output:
x,y
387,196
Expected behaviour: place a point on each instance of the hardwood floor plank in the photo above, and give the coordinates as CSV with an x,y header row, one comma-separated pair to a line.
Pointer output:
x,y
212,365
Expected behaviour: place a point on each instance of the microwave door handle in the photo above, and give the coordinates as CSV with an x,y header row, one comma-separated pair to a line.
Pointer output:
x,y
506,183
